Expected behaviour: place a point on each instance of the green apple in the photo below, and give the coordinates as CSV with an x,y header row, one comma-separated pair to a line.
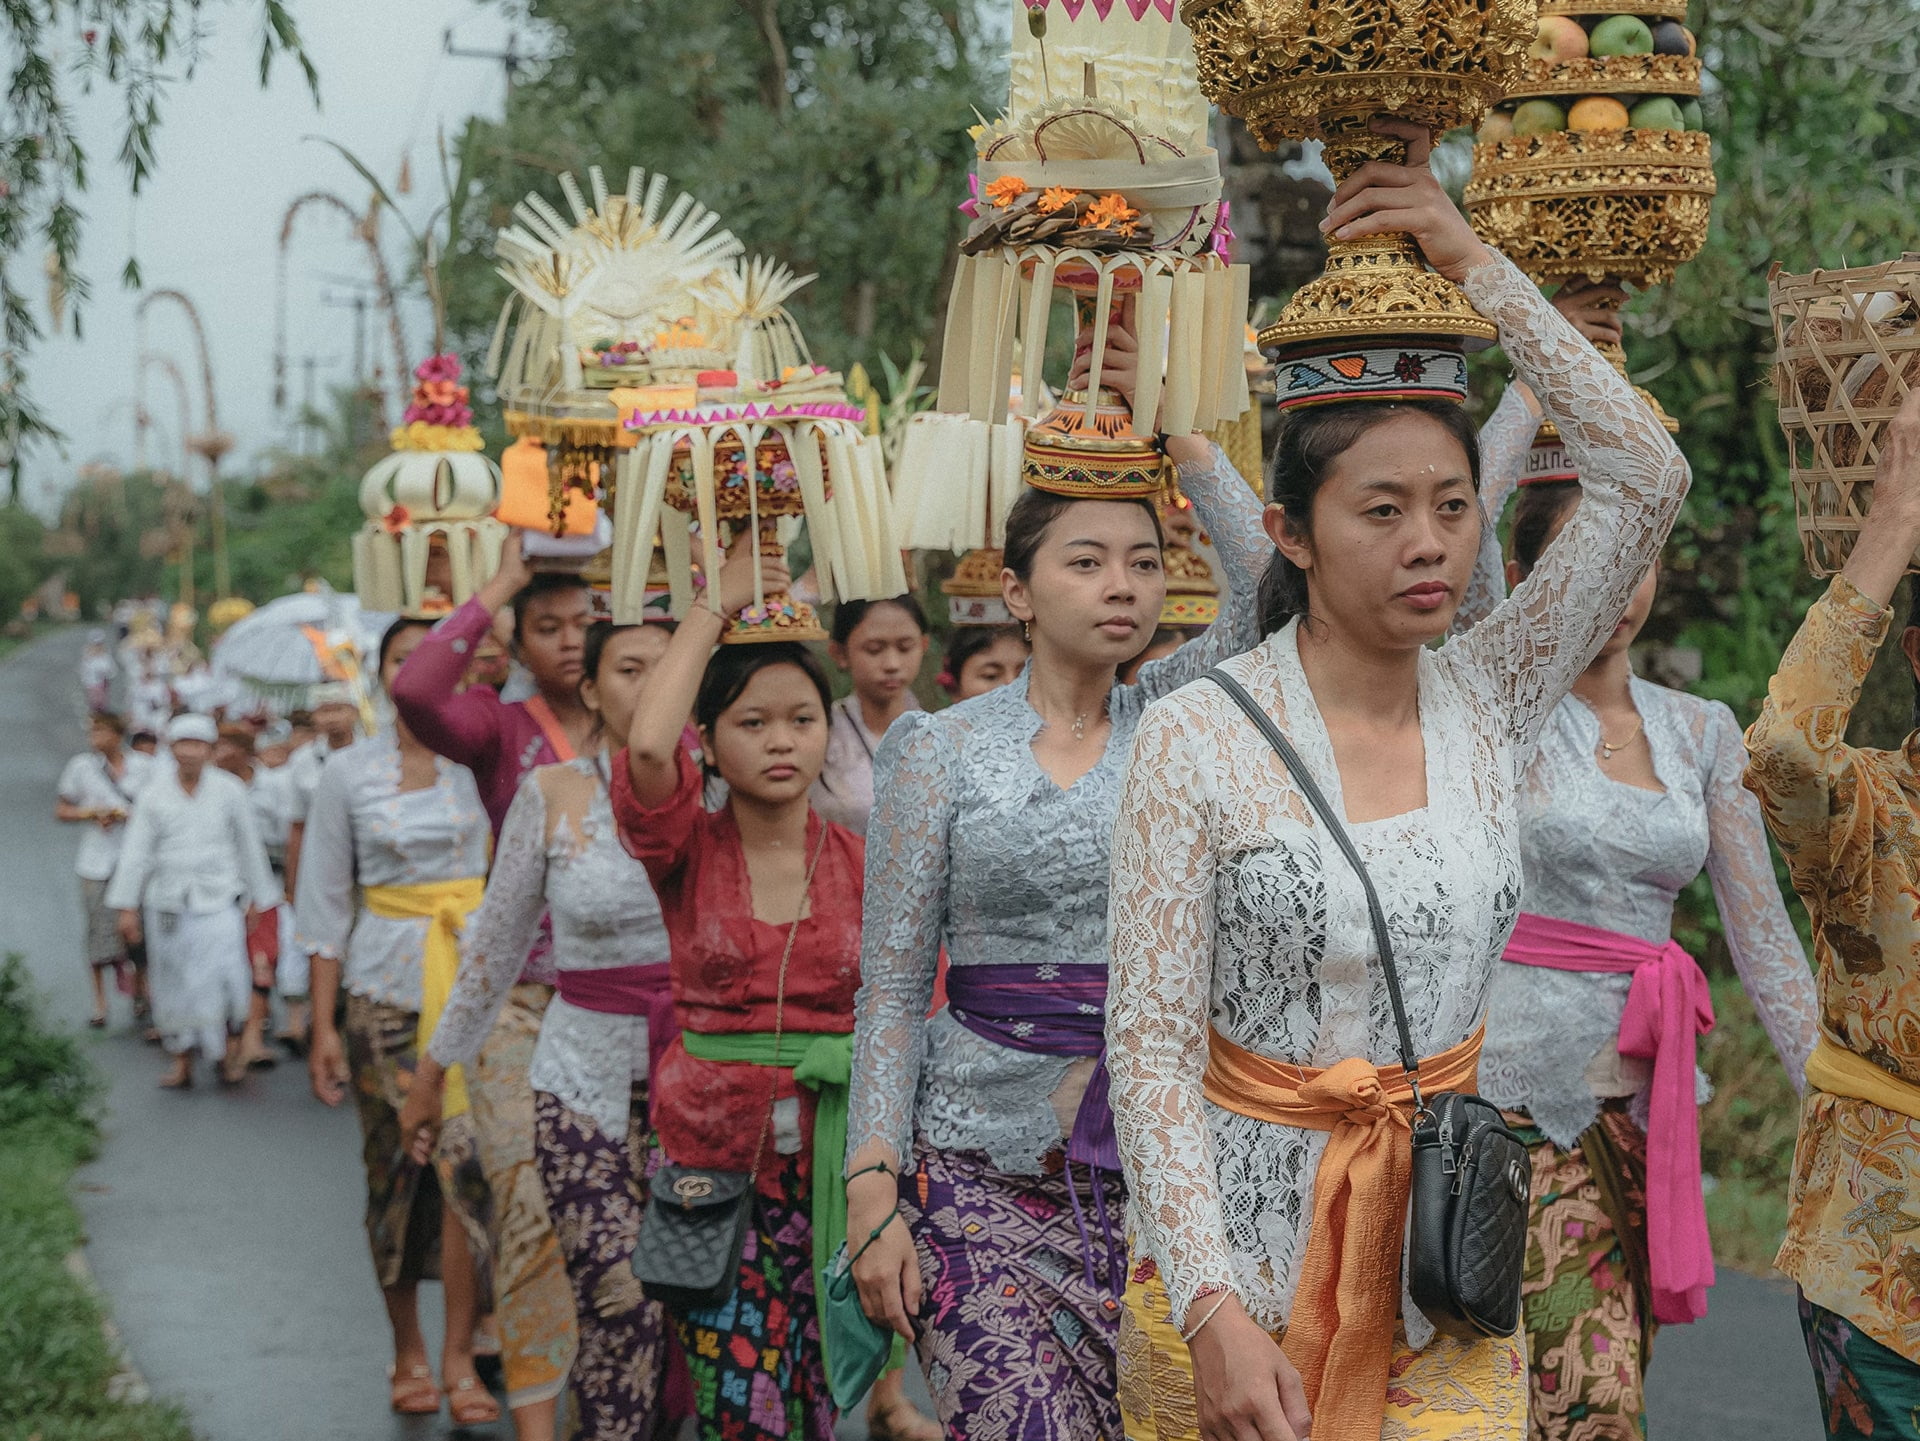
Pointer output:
x,y
1621,35
1690,114
1658,112
1537,117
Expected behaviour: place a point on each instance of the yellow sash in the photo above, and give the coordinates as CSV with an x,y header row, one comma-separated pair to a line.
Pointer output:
x,y
446,904
1839,1072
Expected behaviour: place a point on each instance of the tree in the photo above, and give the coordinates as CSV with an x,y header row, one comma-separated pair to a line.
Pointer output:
x,y
139,48
831,134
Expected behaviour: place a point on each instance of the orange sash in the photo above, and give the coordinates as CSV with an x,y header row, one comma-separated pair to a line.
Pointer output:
x,y
1340,1335
550,727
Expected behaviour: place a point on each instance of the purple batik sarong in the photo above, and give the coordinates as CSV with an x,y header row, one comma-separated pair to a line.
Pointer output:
x,y
1017,1344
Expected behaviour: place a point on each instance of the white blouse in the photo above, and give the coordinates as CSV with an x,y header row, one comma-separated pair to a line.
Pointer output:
x,y
364,831
605,914
1227,910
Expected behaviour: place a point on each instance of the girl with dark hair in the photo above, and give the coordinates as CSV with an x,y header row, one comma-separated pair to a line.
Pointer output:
x,y
761,901
1633,788
880,645
981,658
986,1126
560,854
396,857
1249,1031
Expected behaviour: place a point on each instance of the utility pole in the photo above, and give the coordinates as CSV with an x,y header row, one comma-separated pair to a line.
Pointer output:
x,y
357,303
511,59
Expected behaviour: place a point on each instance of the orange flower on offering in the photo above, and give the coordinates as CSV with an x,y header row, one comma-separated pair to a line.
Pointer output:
x,y
396,520
1004,191
1056,197
1111,212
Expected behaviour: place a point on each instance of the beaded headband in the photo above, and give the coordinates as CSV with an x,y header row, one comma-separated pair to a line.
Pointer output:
x,y
1390,373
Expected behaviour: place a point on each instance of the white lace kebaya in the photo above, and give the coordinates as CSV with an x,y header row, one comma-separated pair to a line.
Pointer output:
x,y
605,915
972,846
1599,852
1228,909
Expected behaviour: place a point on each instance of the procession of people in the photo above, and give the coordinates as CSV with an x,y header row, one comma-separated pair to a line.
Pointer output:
x,y
1245,1013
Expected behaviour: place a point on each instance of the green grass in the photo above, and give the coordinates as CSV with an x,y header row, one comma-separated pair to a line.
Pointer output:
x,y
1746,1134
55,1363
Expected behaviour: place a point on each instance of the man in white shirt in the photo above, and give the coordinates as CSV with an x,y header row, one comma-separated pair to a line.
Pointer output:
x,y
97,790
192,875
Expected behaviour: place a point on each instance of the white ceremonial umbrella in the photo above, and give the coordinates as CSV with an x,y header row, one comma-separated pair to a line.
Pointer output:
x,y
280,649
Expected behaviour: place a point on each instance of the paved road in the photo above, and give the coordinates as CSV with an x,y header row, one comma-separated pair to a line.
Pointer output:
x,y
225,1226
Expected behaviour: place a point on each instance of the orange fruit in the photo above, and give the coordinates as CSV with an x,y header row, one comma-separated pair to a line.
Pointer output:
x,y
1597,112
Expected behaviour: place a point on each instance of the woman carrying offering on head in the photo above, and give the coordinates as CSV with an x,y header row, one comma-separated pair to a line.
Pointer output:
x,y
395,859
987,1125
560,854
1591,1027
761,901
1262,1120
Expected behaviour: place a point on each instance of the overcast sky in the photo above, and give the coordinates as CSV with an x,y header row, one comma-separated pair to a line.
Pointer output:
x,y
231,158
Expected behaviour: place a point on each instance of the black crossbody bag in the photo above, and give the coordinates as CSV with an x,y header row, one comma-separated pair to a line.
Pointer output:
x,y
1471,1175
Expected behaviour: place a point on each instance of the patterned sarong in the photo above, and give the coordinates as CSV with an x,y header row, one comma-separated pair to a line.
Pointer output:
x,y
1868,1392
1017,1345
596,1196
1451,1391
758,1373
1589,1335
533,1301
403,1199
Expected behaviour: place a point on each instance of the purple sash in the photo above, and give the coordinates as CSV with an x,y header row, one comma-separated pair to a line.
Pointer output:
x,y
628,991
1051,1010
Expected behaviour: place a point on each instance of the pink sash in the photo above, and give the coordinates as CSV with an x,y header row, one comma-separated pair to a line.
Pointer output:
x,y
1668,1010
627,991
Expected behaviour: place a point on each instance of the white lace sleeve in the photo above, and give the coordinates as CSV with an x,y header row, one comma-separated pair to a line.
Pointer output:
x,y
324,902
500,932
1229,512
1766,949
904,915
1504,442
1160,921
1633,479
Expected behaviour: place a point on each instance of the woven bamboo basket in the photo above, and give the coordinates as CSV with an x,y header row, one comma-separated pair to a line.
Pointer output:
x,y
1849,352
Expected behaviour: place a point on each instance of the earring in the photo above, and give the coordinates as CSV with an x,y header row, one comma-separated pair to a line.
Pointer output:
x,y
1026,629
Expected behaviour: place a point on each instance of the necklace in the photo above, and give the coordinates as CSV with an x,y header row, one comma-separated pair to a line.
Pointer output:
x,y
1079,721
1608,749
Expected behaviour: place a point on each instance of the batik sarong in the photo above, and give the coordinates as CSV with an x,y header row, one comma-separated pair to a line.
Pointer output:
x,y
1868,1392
596,1196
1584,1293
1017,1345
1451,1391
104,946
533,1301
403,1197
199,977
758,1370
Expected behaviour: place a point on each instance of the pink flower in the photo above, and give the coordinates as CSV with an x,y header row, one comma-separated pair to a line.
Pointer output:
x,y
1222,245
970,207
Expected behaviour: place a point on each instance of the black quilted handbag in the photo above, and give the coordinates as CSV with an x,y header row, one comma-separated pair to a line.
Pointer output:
x,y
1471,1175
688,1255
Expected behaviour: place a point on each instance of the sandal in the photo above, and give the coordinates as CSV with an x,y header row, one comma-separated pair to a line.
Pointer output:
x,y
471,1404
413,1394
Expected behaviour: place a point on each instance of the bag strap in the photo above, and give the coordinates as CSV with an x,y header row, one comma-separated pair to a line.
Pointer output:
x,y
1304,782
780,995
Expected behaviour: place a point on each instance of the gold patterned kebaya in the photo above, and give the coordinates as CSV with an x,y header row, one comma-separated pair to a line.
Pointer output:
x,y
1844,818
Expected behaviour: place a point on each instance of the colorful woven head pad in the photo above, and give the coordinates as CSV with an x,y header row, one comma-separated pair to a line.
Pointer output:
x,y
1391,372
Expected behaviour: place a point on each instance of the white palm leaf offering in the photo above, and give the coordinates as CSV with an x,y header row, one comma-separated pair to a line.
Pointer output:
x,y
1097,179
670,384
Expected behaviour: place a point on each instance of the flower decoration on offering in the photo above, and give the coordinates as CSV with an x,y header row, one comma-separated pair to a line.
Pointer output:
x,y
429,540
610,299
1849,354
1097,180
973,590
764,445
1322,70
1597,164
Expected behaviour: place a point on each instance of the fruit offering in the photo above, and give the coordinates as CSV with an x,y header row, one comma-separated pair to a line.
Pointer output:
x,y
1591,69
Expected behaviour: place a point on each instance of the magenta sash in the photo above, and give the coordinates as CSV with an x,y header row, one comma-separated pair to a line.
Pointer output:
x,y
1668,1010
627,991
